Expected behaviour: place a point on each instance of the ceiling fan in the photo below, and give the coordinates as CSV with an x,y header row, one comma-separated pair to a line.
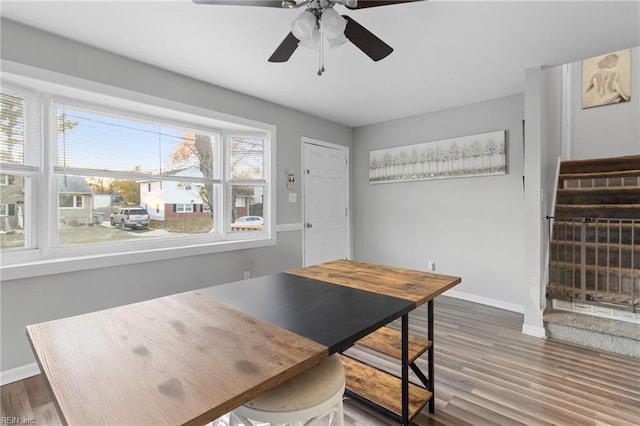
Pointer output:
x,y
320,22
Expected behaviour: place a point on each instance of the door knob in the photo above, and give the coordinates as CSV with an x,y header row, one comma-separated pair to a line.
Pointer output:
x,y
309,225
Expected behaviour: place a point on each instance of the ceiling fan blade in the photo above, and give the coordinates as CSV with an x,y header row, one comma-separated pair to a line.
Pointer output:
x,y
286,49
361,4
366,41
264,3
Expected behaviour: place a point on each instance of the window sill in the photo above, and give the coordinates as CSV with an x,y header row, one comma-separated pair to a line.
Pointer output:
x,y
61,265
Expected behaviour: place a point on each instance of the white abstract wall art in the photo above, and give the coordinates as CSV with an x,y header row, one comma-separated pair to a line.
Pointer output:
x,y
606,79
466,156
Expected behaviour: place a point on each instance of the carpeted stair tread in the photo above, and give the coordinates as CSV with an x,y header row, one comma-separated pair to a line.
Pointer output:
x,y
593,323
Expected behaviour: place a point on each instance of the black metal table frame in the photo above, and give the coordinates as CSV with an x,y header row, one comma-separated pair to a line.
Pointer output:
x,y
427,381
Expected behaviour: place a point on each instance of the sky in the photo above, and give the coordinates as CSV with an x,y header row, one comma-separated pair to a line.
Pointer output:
x,y
122,144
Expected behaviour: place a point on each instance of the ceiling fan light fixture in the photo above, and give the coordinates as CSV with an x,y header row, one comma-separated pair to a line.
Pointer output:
x,y
333,25
313,42
337,42
304,25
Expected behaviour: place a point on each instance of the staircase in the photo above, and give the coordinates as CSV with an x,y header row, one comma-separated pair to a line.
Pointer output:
x,y
594,260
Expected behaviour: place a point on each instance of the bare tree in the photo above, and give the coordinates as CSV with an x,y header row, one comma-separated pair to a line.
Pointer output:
x,y
197,150
11,125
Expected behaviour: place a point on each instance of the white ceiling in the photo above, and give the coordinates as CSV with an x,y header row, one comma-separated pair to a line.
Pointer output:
x,y
447,53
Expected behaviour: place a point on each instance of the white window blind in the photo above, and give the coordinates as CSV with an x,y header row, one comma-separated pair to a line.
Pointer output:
x,y
247,158
12,130
89,140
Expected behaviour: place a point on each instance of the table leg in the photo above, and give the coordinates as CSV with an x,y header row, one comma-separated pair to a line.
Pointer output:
x,y
405,370
432,402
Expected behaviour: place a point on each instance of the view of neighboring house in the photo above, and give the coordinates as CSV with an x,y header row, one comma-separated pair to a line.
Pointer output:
x,y
12,196
169,200
246,199
75,201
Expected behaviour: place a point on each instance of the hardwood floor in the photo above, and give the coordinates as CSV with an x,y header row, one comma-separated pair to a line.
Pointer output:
x,y
487,373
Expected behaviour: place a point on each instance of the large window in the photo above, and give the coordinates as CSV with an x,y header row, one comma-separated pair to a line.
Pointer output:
x,y
141,161
193,176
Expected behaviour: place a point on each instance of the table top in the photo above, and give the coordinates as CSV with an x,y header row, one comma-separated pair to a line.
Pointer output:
x,y
332,315
416,286
181,359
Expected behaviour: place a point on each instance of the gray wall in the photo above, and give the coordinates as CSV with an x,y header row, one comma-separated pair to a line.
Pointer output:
x,y
543,146
471,227
32,300
605,131
551,153
552,133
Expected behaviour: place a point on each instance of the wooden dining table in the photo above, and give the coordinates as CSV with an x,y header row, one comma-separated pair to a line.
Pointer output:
x,y
192,357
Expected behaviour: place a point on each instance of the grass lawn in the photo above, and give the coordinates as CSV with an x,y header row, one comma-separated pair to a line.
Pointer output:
x,y
94,234
85,234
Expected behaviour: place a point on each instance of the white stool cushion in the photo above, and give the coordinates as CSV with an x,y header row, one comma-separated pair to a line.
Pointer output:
x,y
308,389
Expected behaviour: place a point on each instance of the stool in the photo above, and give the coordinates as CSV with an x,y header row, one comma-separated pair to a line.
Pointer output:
x,y
308,397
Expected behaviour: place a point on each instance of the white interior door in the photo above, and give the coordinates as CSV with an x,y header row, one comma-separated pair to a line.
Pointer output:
x,y
326,213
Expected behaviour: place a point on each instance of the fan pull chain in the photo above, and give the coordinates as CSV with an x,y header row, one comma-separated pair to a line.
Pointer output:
x,y
321,52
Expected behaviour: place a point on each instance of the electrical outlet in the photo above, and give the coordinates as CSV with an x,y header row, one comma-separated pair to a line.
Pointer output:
x,y
247,275
292,197
431,265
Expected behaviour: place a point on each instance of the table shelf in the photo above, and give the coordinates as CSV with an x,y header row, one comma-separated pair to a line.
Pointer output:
x,y
382,389
388,341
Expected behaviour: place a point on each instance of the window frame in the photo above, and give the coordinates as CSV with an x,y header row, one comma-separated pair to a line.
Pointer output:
x,y
42,255
30,170
74,202
230,182
183,208
138,113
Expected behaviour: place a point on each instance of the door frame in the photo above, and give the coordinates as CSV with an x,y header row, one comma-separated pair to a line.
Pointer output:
x,y
345,149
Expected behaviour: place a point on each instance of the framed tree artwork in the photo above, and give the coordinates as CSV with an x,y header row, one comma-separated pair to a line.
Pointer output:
x,y
476,155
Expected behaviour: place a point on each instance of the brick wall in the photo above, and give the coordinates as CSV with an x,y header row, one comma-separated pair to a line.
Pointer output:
x,y
170,213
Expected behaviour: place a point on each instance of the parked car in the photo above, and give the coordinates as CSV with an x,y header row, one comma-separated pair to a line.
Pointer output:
x,y
249,220
130,217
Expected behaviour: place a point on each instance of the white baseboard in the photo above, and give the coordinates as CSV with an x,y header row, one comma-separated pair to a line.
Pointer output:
x,y
485,301
535,331
18,373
